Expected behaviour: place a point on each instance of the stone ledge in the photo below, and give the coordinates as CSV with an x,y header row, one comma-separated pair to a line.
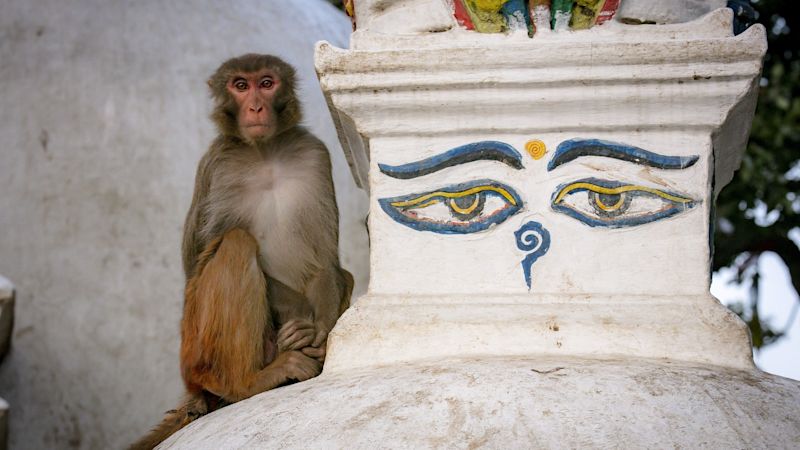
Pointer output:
x,y
379,331
543,402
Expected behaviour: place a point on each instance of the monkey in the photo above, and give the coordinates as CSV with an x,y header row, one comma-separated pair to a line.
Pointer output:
x,y
260,247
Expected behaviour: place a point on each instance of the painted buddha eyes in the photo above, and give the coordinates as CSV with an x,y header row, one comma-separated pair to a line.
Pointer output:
x,y
477,205
613,204
457,209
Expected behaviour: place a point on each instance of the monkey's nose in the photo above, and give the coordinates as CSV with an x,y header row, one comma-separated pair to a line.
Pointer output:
x,y
256,108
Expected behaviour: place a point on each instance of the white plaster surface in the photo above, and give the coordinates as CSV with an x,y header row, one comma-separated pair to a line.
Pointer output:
x,y
104,117
393,17
665,11
513,403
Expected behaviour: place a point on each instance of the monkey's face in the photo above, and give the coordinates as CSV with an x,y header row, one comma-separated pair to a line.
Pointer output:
x,y
254,94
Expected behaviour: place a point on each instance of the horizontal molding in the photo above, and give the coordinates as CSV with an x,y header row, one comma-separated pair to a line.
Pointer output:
x,y
697,329
605,75
565,53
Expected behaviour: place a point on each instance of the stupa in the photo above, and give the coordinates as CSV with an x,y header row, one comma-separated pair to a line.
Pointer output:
x,y
540,226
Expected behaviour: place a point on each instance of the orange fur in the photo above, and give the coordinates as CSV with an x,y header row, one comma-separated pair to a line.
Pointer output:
x,y
226,319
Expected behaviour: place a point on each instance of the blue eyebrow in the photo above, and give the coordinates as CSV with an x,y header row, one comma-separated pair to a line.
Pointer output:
x,y
484,150
575,148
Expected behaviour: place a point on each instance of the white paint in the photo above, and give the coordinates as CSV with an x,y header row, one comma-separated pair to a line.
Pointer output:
x,y
506,403
104,117
398,17
665,11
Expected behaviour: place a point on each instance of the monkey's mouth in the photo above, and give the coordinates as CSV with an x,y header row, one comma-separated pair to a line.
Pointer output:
x,y
256,129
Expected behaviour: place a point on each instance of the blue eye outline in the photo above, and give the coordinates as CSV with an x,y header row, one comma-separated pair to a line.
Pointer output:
x,y
395,207
675,203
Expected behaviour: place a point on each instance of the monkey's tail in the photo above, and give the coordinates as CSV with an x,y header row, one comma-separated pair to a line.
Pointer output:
x,y
192,408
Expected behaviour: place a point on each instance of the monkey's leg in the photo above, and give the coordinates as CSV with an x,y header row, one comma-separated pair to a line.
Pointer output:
x,y
227,323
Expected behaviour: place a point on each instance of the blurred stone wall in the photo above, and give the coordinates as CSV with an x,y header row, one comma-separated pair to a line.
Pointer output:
x,y
103,118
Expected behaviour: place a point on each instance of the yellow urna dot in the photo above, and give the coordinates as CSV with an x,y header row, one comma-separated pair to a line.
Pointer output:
x,y
536,148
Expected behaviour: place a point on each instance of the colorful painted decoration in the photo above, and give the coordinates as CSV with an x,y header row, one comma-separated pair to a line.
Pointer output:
x,y
539,14
576,148
536,149
534,238
607,12
604,203
584,13
485,15
461,15
561,13
516,15
350,9
497,16
457,209
484,150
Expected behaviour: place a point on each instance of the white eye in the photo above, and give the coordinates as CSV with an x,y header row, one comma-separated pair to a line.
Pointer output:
x,y
458,209
613,204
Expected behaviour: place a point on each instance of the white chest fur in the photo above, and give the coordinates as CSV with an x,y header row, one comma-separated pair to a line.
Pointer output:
x,y
275,198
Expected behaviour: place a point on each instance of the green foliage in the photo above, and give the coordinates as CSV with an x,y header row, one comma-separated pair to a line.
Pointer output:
x,y
761,206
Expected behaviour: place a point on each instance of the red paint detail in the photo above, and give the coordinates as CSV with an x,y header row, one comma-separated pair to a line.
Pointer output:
x,y
461,15
607,12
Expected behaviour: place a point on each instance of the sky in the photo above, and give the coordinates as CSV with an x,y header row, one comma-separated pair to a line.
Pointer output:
x,y
777,298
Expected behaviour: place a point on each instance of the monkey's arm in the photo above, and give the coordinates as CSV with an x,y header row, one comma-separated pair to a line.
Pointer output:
x,y
327,285
192,244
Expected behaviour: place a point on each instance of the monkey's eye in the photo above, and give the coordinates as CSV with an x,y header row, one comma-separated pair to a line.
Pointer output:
x,y
267,83
458,209
612,204
240,84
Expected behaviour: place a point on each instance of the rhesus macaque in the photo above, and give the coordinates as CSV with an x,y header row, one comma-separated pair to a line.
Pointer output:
x,y
260,247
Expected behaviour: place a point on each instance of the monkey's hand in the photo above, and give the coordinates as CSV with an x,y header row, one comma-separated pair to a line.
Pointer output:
x,y
317,349
317,353
296,334
297,366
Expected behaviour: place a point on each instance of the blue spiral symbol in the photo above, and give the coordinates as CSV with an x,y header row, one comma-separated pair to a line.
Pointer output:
x,y
532,237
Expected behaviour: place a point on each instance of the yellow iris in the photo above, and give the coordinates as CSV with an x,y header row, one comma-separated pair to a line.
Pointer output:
x,y
613,207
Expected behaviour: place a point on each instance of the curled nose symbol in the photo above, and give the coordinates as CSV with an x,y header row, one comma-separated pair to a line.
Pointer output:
x,y
534,238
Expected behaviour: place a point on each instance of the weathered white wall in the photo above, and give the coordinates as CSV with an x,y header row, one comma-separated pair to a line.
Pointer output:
x,y
104,116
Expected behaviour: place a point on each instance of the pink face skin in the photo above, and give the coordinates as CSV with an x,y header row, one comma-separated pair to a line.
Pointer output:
x,y
254,93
